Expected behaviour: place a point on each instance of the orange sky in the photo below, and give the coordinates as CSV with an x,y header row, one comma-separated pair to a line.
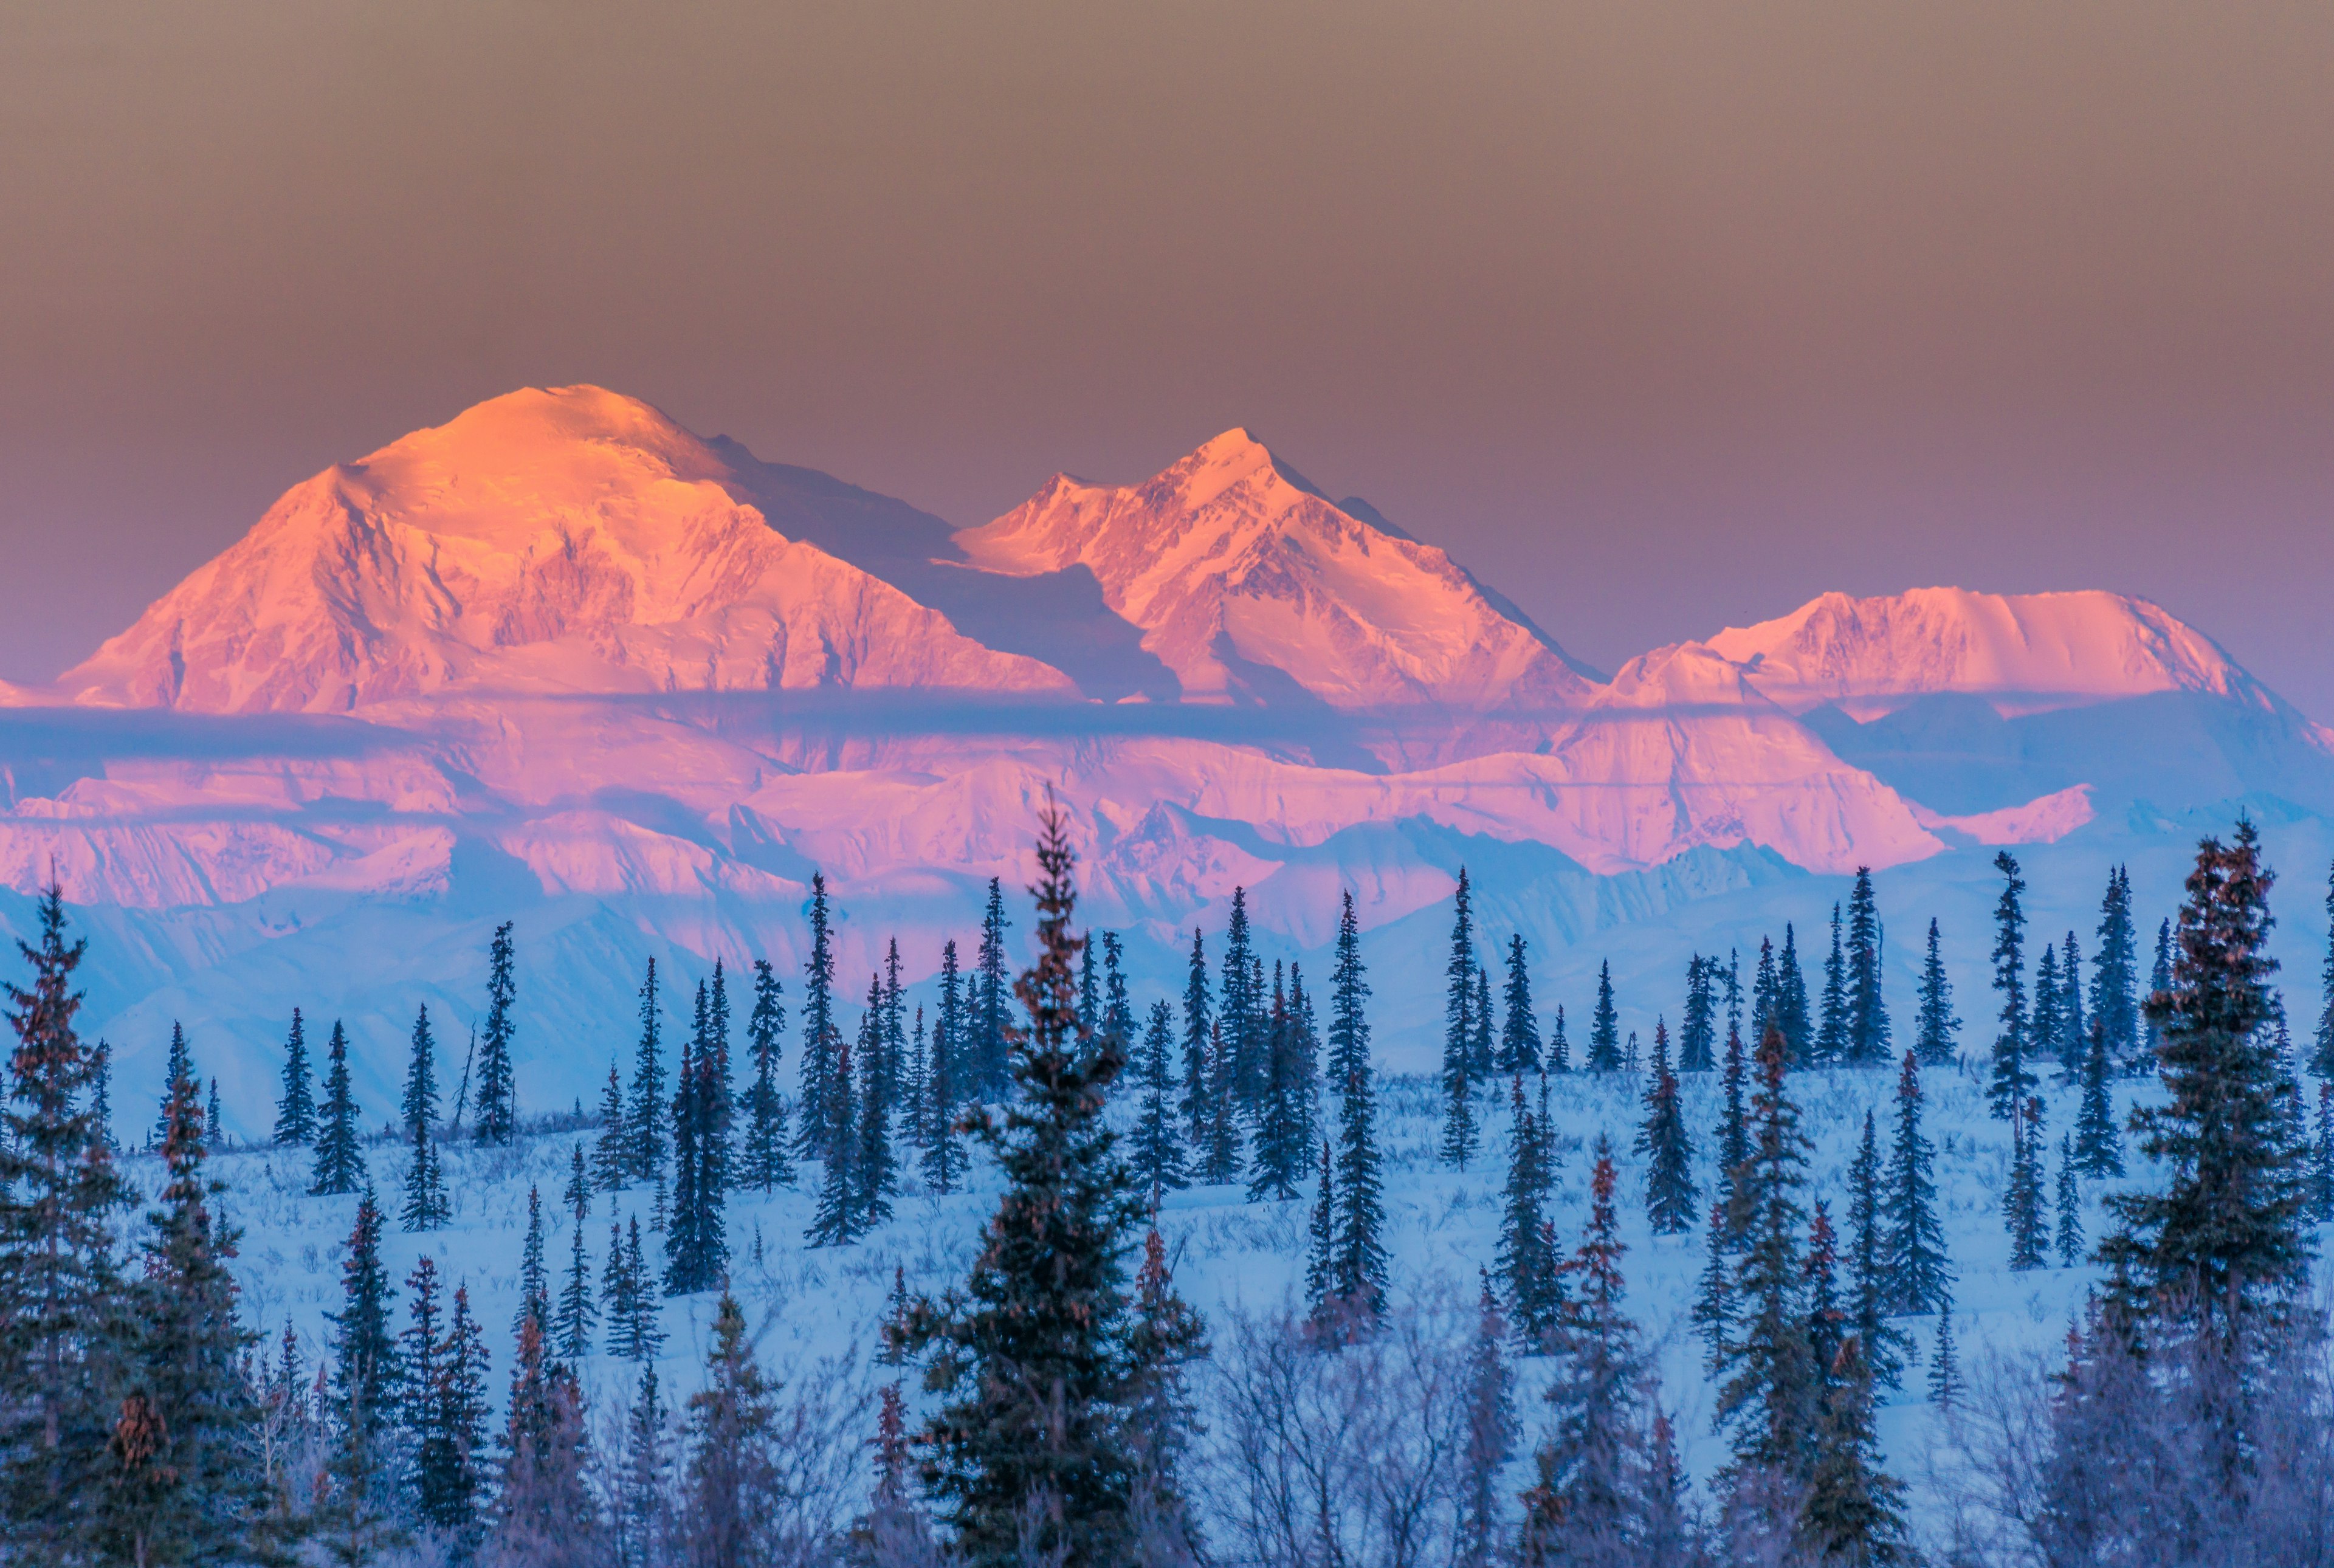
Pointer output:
x,y
1660,316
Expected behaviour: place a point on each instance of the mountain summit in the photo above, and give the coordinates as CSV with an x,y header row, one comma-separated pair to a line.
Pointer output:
x,y
1249,583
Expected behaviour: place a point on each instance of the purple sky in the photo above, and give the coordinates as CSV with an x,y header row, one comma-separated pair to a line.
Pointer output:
x,y
1661,318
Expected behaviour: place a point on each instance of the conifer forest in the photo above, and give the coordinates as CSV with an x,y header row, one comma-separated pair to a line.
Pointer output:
x,y
1034,1264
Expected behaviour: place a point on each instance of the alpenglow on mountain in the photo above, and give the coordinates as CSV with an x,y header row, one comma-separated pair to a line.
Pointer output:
x,y
561,657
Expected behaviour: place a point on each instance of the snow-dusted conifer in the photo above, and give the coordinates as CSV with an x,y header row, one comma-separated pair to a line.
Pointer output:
x,y
339,1159
296,1111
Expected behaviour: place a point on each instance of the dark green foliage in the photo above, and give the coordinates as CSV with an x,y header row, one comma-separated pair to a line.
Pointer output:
x,y
1830,1042
1490,1437
1527,1260
2159,981
1871,1042
1732,1223
992,991
427,1207
184,1487
1117,1012
1792,1011
1242,1022
2222,1244
1605,1025
2022,1198
179,1063
1766,992
1698,1033
1671,1195
534,1276
1158,1142
2070,1206
872,1165
635,1328
498,1080
645,1139
1945,1386
1935,1030
891,1032
1559,1049
1520,1049
1165,1337
1460,1133
445,1410
2321,1057
2047,1022
60,1285
697,1248
214,1126
643,1478
366,1377
545,1506
2115,973
820,1099
1321,1249
1917,1271
764,1161
1358,1266
2011,1081
730,1477
1713,1294
577,1313
2321,1157
1868,1264
2069,1050
1033,1359
1768,1400
296,1111
1198,1104
611,1150
1281,1157
1220,1161
839,1220
1854,1511
1482,1053
943,1159
2098,1146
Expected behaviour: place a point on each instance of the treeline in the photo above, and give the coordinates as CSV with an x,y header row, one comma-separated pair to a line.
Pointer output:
x,y
1072,1409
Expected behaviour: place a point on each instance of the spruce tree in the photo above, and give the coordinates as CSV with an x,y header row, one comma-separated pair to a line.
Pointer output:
x,y
534,1274
2159,981
646,1143
1559,1049
1854,1511
616,1290
1712,1312
577,1313
295,1112
1165,1337
1321,1306
61,1292
837,1220
2223,1242
179,1063
2021,1199
764,1160
2115,971
1605,1025
1029,1450
644,1477
1158,1149
1830,1043
2072,1033
367,1376
100,1092
873,1164
1868,1264
611,1156
1918,1272
214,1125
2321,1157
1935,1030
2098,1146
1766,1402
1766,992
1945,1389
1490,1437
1585,1491
1481,1053
1222,1160
1671,1195
1089,984
992,992
821,1040
1117,1011
545,1506
497,1080
943,1157
1459,1023
1791,997
730,1477
1698,1031
1359,1256
1871,1043
1199,1071
427,1207
1283,1150
2070,1206
1525,1261
2322,1058
2011,1081
2046,1021
1520,1030
445,1407
1733,1225
1460,1134
339,1158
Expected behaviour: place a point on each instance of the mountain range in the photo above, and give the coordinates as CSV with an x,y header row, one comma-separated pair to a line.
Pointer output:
x,y
562,655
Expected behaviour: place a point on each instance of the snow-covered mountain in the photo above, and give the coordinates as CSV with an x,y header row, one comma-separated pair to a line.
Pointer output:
x,y
564,658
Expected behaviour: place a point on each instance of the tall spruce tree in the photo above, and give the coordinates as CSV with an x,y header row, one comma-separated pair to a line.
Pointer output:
x,y
2070,1206
1852,1511
840,1216
2046,1022
2022,1197
1482,1053
645,1133
2321,1055
1791,997
1733,1147
1766,992
296,1111
1672,1198
2011,1081
367,1378
1605,1025
339,1166
1871,1043
1935,1030
2115,972
1830,1043
1282,1155
427,1207
577,1313
545,1506
765,1162
1358,1253
1559,1049
1029,1450
611,1154
1766,1402
497,1083
1525,1259
1458,1013
2098,1146
1199,1071
2159,981
943,1161
1868,1265
2072,1031
1158,1149
1241,1023
2222,1242
179,1063
1520,1049
821,1040
873,1165
1698,1029
1913,1249
534,1274
992,992
62,1296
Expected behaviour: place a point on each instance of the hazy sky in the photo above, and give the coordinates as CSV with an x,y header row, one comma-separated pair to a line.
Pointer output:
x,y
1660,316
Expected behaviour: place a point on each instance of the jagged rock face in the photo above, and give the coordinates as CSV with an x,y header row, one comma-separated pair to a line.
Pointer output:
x,y
547,541
1248,583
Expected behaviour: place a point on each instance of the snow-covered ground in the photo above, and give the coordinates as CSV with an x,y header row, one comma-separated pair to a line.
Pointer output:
x,y
809,1305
